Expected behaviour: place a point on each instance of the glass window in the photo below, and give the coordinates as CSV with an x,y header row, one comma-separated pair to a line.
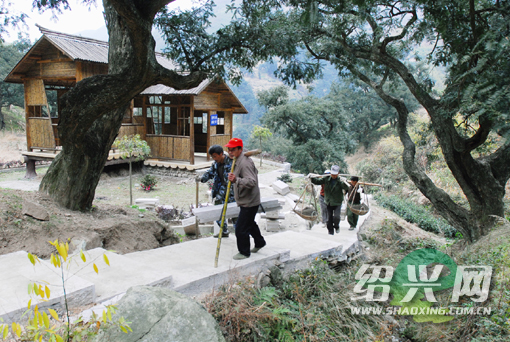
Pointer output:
x,y
204,123
137,111
167,115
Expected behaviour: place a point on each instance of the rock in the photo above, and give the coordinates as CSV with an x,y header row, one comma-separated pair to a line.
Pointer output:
x,y
35,210
90,241
160,314
276,275
263,280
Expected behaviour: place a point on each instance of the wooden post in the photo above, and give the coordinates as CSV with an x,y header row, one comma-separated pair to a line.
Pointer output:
x,y
208,134
197,229
192,133
30,168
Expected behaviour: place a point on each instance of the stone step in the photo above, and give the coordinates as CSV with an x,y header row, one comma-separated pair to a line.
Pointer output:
x,y
17,273
122,273
192,263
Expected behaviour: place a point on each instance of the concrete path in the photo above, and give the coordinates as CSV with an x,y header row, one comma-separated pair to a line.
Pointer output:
x,y
187,267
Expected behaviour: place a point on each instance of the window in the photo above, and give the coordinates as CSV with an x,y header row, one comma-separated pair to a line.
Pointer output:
x,y
220,128
167,115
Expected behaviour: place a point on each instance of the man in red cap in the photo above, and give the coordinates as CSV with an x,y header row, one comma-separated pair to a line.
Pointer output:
x,y
247,195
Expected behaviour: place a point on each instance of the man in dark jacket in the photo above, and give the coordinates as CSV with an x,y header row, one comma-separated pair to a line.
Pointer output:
x,y
334,188
247,195
353,197
219,171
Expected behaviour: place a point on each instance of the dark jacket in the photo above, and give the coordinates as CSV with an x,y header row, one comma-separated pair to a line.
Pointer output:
x,y
333,191
353,196
219,188
246,187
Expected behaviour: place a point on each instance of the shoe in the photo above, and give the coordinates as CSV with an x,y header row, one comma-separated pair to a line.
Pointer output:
x,y
331,233
352,228
240,256
337,230
225,234
256,249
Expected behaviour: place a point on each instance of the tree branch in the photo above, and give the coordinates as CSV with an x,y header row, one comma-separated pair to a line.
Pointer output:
x,y
402,34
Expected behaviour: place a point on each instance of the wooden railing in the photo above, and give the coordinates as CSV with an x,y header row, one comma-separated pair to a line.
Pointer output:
x,y
169,146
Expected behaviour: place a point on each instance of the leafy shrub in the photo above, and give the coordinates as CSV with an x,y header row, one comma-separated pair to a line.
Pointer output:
x,y
286,178
309,306
415,213
148,182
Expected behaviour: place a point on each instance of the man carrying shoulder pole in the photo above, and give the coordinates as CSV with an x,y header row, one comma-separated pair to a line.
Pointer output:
x,y
334,188
247,196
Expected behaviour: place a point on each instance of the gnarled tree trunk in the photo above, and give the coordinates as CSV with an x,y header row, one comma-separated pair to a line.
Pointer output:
x,y
482,180
92,112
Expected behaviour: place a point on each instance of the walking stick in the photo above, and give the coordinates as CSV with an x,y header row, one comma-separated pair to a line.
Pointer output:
x,y
224,212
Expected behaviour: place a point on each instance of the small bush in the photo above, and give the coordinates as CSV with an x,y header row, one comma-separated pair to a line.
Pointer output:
x,y
286,178
148,182
415,213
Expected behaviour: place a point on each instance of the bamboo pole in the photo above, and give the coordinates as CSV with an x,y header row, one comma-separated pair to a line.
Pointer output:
x,y
369,184
224,211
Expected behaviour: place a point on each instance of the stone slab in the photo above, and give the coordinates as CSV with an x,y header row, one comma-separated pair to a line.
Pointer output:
x,y
281,187
272,226
17,273
213,213
192,263
122,273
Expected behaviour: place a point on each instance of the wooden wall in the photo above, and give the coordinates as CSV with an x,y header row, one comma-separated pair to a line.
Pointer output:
x,y
58,70
132,129
35,92
221,140
41,133
169,147
207,102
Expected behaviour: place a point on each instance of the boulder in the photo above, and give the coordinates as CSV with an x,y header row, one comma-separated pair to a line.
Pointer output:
x,y
35,210
161,314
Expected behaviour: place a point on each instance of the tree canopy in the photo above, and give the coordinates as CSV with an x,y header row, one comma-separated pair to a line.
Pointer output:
x,y
373,41
10,54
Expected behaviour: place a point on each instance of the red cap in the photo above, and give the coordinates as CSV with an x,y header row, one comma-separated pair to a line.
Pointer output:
x,y
235,142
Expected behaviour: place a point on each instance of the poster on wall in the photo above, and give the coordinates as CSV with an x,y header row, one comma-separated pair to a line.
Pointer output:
x,y
214,119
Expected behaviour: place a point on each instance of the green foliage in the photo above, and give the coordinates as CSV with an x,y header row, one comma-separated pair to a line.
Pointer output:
x,y
9,57
316,129
286,178
148,182
414,213
309,306
384,166
132,146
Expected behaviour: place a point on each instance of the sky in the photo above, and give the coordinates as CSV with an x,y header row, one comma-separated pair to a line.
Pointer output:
x,y
75,21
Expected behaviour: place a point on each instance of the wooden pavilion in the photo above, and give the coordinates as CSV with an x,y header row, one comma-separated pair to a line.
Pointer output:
x,y
175,123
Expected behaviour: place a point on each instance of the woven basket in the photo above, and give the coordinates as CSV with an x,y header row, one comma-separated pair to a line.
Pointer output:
x,y
307,213
359,209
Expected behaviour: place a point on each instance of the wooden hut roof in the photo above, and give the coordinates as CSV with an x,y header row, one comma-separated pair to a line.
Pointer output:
x,y
208,85
78,48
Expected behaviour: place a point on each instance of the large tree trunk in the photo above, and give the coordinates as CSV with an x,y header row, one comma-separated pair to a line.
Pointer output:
x,y
482,180
2,120
92,112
